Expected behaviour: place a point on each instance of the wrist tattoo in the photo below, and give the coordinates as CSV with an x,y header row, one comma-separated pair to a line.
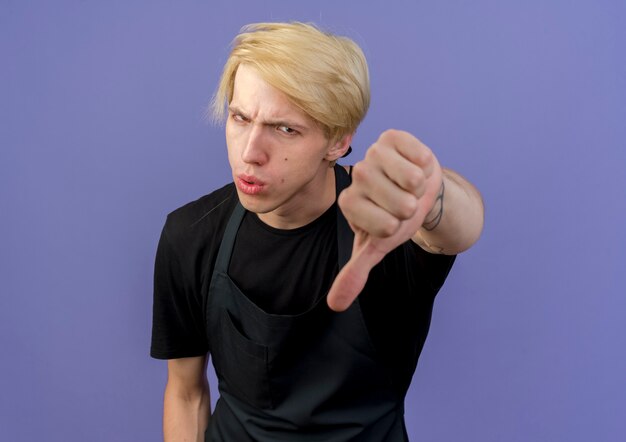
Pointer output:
x,y
432,223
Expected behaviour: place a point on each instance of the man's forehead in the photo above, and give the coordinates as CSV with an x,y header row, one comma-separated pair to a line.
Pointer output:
x,y
252,95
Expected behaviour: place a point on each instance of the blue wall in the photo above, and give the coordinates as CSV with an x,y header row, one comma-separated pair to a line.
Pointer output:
x,y
102,134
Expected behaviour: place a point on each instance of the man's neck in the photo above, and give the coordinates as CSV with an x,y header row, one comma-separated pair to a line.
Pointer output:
x,y
310,206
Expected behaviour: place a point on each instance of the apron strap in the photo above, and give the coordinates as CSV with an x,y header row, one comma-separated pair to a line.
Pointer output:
x,y
345,236
228,240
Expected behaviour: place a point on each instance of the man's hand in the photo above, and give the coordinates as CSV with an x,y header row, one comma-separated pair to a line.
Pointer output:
x,y
392,191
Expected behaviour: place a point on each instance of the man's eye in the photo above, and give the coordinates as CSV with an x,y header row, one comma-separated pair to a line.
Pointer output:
x,y
287,130
239,118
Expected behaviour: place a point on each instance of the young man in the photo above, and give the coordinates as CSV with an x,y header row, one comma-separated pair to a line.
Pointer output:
x,y
314,311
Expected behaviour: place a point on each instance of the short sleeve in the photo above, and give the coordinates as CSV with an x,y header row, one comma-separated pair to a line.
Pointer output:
x,y
434,267
177,320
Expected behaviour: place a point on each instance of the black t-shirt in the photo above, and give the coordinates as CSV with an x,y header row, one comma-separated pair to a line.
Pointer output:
x,y
286,272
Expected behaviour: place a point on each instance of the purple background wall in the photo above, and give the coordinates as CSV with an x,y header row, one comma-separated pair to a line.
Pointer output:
x,y
102,134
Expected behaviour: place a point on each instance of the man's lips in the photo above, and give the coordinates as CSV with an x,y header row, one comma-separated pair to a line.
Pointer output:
x,y
249,185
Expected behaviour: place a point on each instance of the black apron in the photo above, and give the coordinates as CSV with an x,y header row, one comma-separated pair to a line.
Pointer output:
x,y
307,377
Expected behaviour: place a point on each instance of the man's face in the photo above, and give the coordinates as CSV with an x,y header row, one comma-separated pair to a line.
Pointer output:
x,y
278,154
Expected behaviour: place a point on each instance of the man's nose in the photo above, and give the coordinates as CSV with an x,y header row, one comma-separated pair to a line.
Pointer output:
x,y
255,150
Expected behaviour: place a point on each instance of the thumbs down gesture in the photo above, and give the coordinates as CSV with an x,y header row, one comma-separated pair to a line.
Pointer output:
x,y
393,189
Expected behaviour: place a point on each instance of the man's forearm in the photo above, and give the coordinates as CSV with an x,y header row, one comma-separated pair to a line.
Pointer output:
x,y
456,220
185,414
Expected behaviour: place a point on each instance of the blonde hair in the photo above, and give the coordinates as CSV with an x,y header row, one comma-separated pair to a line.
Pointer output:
x,y
323,74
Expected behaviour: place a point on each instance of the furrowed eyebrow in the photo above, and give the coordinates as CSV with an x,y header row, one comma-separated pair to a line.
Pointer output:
x,y
291,124
236,110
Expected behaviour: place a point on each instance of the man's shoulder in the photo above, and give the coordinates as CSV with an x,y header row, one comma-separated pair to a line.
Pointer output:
x,y
203,216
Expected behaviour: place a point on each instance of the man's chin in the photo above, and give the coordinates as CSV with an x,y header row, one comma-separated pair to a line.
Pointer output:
x,y
253,203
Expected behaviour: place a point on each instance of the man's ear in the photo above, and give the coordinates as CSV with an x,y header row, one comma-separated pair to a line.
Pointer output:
x,y
339,148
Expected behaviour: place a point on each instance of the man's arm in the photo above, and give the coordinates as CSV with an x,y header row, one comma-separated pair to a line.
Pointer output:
x,y
187,404
456,220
